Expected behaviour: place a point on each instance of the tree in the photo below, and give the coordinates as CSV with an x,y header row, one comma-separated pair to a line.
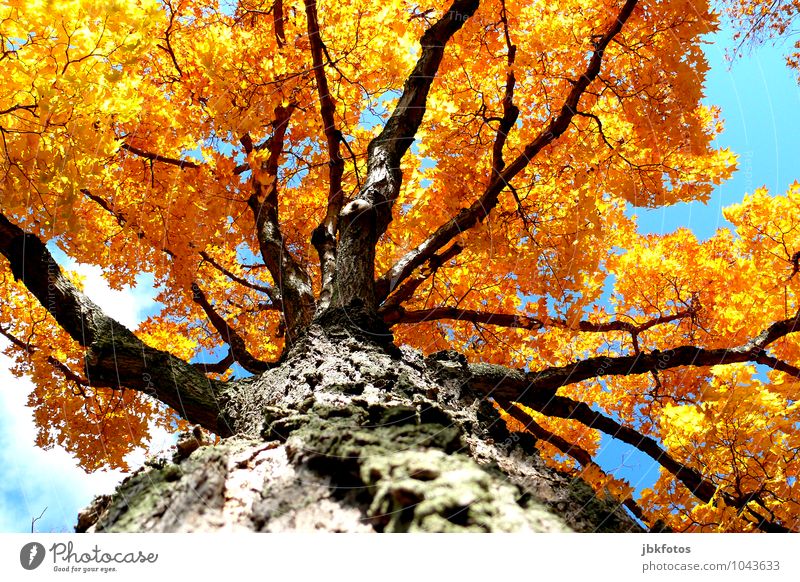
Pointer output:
x,y
402,232
758,21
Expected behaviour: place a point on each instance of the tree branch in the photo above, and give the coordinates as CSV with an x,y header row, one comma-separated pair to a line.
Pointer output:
x,y
277,23
35,519
115,357
400,315
562,407
521,386
469,217
510,111
229,335
267,290
537,390
397,315
292,280
397,135
159,158
217,367
703,489
366,218
53,361
29,108
324,236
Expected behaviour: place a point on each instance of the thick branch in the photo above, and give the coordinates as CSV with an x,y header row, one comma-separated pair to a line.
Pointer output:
x,y
115,357
292,280
521,386
578,453
324,236
562,407
399,315
703,489
398,133
510,111
469,217
565,408
366,218
277,23
217,367
766,360
537,390
229,335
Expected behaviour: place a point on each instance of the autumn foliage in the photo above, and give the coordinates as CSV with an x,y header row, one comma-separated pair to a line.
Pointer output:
x,y
170,136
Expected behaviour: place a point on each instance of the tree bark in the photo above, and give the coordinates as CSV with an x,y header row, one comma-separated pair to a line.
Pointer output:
x,y
351,433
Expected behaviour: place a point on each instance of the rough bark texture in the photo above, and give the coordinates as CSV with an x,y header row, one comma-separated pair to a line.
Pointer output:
x,y
351,433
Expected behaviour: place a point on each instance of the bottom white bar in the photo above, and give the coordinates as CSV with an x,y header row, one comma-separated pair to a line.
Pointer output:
x,y
353,558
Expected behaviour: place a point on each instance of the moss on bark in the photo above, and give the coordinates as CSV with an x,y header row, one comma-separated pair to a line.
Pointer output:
x,y
349,435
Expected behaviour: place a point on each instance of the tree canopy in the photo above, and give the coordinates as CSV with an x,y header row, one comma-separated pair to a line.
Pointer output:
x,y
463,169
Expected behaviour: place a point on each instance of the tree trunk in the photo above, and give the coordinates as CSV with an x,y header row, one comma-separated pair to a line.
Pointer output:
x,y
351,433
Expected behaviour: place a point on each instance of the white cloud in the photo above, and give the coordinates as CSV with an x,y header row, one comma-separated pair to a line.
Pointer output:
x,y
129,306
33,478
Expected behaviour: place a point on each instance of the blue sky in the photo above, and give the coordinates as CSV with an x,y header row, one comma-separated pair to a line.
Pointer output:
x,y
759,97
760,101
